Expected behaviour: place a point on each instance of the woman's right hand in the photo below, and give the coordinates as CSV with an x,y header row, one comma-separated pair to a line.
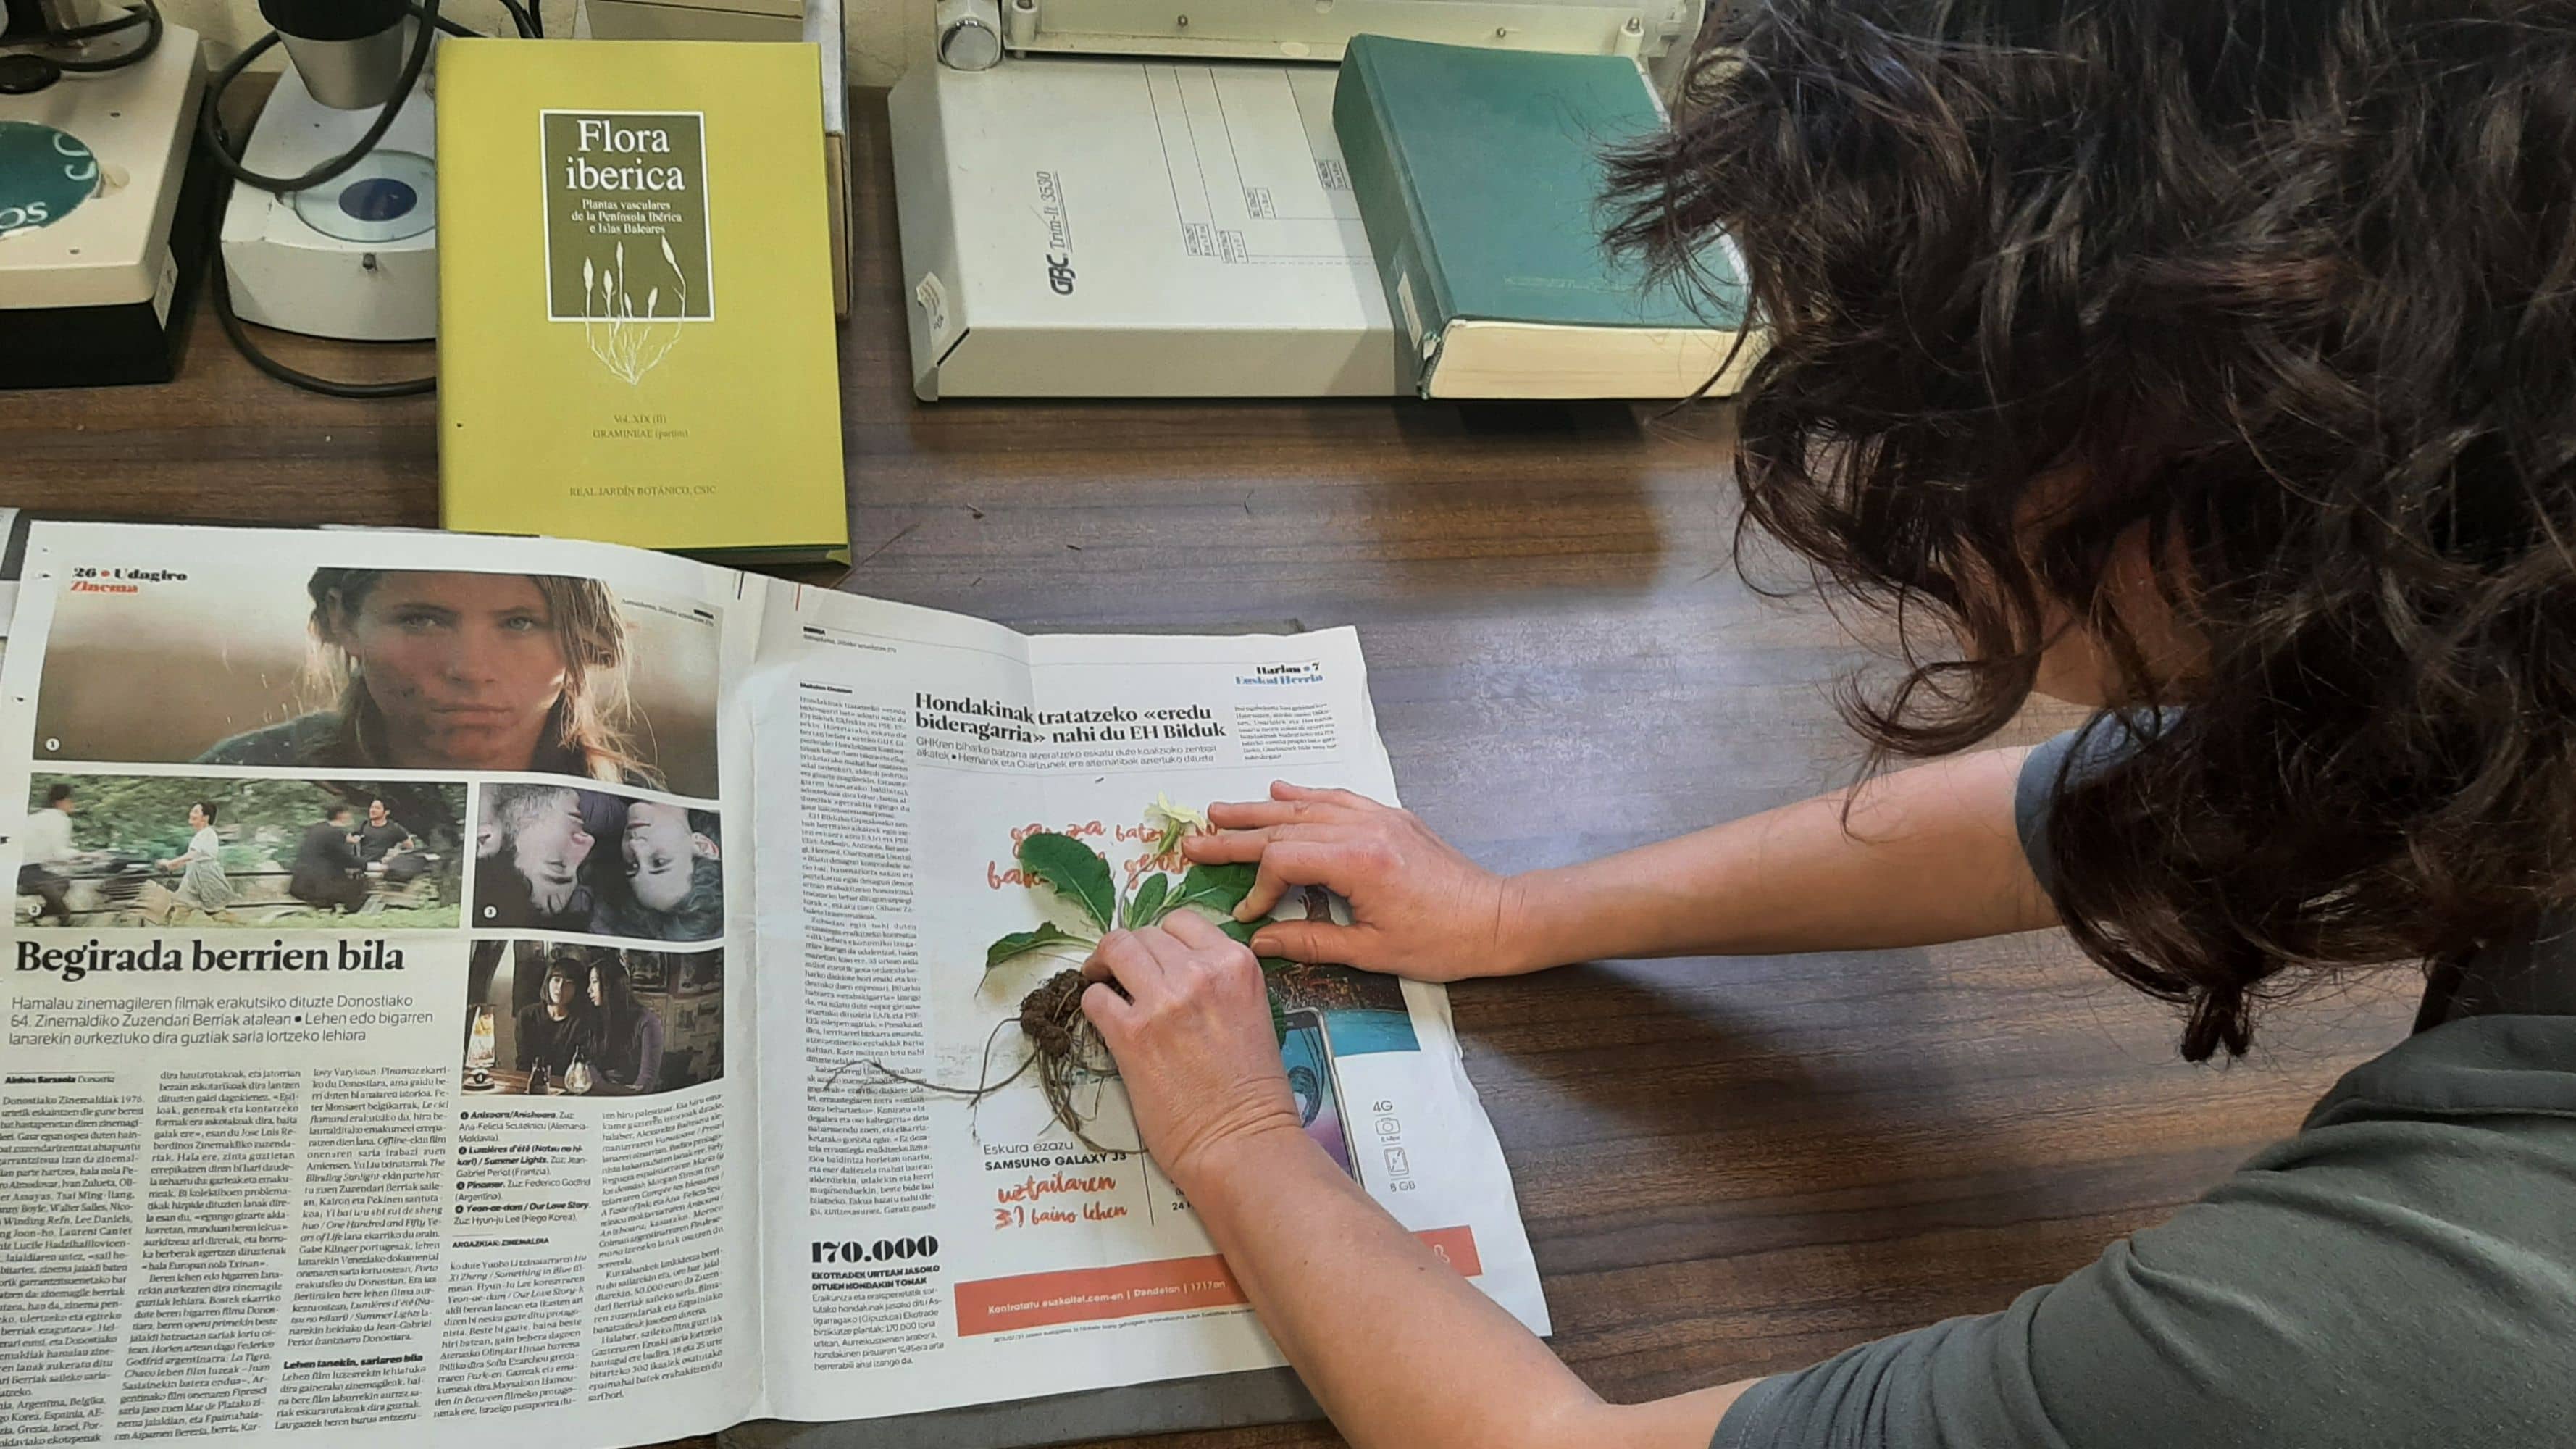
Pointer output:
x,y
1419,908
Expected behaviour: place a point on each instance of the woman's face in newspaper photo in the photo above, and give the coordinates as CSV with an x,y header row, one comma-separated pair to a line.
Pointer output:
x,y
550,848
598,988
465,668
559,989
661,853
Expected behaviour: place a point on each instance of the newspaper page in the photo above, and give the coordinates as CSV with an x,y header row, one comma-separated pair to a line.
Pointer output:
x,y
927,1248
377,1010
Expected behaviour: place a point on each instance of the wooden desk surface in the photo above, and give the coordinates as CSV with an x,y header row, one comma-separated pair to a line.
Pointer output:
x,y
1727,1167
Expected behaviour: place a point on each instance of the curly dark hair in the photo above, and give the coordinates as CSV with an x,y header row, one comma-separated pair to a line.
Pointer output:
x,y
2283,290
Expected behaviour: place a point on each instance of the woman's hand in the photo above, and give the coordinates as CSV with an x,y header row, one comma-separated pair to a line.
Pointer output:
x,y
1193,1040
1419,908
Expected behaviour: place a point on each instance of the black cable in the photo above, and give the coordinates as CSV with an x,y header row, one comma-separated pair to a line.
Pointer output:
x,y
125,21
151,41
449,26
520,17
219,142
221,295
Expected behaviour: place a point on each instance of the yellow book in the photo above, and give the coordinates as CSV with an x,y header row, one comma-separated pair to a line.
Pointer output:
x,y
635,297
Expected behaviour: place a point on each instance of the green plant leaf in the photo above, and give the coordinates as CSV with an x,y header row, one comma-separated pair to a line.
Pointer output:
x,y
1076,871
1021,943
1217,888
1242,931
1146,906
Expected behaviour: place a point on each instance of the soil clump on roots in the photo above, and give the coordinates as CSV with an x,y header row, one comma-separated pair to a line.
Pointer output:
x,y
1063,1047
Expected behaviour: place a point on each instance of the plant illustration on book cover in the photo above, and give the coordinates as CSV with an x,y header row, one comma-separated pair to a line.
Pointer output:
x,y
614,178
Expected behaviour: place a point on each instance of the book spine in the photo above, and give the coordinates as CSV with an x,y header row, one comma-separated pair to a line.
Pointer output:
x,y
443,216
1389,209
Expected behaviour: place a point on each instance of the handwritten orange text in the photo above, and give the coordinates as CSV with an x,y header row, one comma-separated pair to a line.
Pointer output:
x,y
1054,1184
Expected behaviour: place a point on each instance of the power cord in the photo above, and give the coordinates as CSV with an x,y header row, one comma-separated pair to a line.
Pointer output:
x,y
146,13
221,295
219,148
210,123
78,32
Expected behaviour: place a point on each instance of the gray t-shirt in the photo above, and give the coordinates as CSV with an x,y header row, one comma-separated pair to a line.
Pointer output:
x,y
2401,1272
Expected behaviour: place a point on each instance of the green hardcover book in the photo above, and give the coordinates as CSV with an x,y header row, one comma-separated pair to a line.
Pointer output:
x,y
635,337
1479,175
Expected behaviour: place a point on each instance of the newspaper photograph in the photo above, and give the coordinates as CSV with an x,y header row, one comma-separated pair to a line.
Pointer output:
x,y
356,669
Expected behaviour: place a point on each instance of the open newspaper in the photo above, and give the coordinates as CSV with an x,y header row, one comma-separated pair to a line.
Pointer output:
x,y
464,987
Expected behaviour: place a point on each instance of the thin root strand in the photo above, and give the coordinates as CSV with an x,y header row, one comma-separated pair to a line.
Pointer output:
x,y
1063,1046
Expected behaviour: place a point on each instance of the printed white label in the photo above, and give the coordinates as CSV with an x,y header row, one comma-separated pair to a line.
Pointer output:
x,y
934,307
166,286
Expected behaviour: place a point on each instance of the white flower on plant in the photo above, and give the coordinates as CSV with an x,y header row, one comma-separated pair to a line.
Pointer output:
x,y
1174,821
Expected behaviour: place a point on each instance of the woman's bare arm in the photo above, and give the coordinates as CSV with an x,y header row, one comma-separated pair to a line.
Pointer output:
x,y
1925,855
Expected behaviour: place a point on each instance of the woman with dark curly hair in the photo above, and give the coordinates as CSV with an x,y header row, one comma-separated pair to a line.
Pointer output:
x,y
2212,363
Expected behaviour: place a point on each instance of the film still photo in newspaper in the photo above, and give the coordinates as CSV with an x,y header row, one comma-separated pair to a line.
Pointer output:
x,y
104,850
558,1018
555,858
352,669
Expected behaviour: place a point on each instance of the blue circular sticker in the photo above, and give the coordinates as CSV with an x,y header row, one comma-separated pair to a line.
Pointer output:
x,y
44,174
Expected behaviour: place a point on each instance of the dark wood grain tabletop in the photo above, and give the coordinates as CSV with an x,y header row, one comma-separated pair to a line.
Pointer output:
x,y
1727,1167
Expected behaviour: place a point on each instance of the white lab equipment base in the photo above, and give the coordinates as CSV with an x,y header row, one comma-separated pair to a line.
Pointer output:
x,y
378,282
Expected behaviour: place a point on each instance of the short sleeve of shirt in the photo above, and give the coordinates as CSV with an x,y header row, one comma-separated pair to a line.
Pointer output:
x,y
2071,755
2031,793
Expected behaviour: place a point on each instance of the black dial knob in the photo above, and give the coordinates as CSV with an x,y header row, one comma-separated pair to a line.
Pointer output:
x,y
23,74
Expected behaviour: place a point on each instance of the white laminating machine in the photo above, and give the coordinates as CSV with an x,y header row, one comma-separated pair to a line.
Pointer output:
x,y
1143,198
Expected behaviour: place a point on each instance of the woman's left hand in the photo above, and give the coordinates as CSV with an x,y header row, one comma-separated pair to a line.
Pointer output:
x,y
1193,1040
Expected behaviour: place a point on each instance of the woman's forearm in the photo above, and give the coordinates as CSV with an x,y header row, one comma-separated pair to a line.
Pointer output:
x,y
1398,1348
1927,854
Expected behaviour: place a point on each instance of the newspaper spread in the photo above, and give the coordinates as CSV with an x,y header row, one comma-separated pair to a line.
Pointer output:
x,y
463,985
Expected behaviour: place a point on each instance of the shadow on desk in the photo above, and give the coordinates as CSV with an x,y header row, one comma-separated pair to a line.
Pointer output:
x,y
1221,1401
1431,423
